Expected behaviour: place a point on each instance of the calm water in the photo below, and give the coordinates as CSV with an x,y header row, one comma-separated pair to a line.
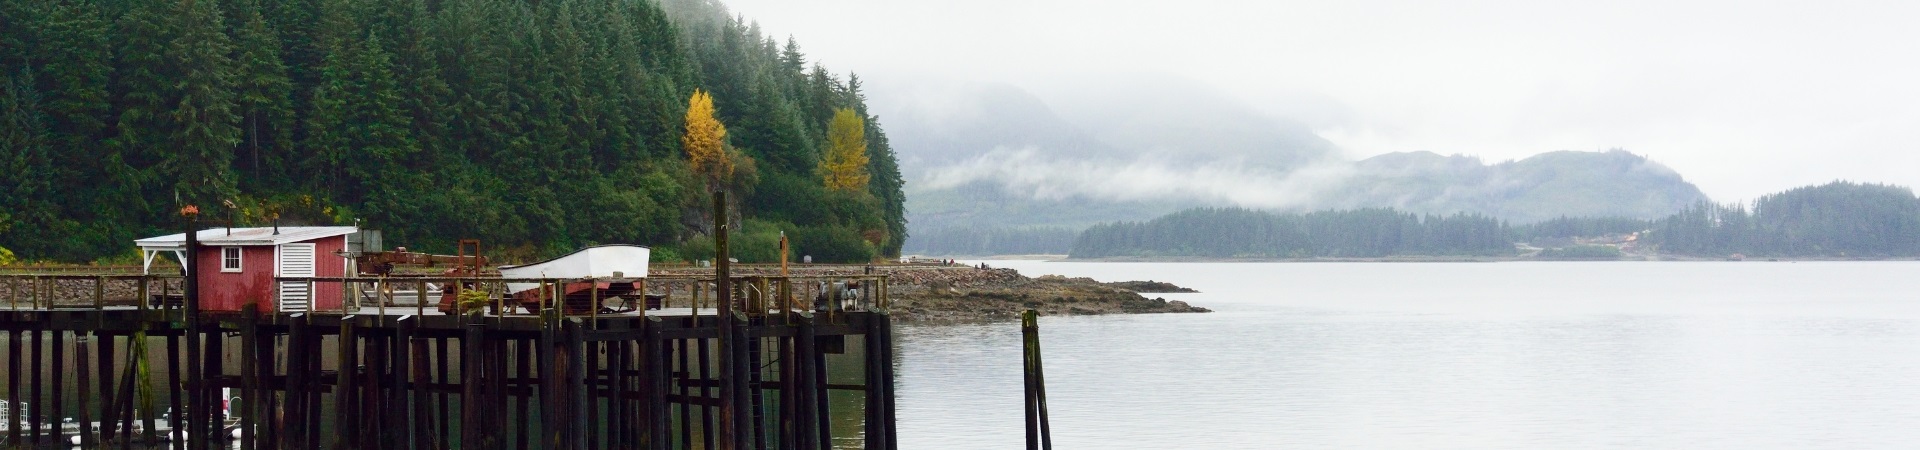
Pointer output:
x,y
1449,355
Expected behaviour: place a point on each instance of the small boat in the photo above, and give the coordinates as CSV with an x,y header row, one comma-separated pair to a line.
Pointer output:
x,y
620,264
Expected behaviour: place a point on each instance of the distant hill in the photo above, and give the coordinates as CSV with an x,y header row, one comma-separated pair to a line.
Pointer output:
x,y
1613,183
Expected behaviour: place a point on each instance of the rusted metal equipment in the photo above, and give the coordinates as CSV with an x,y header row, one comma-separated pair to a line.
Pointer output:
x,y
469,263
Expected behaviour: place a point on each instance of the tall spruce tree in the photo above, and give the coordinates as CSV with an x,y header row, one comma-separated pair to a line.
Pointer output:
x,y
263,97
205,127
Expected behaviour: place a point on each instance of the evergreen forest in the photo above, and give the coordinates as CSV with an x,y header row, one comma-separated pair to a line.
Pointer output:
x,y
993,241
537,126
1839,219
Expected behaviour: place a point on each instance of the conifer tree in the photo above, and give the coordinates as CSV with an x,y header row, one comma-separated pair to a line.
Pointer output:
x,y
205,129
25,185
264,100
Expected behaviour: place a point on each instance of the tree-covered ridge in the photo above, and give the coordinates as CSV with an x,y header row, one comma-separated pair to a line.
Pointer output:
x,y
1238,233
536,126
987,241
1836,219
1839,219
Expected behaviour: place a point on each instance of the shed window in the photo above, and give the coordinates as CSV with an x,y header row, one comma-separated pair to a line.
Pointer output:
x,y
229,259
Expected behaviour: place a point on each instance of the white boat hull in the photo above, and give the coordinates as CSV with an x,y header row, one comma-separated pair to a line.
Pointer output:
x,y
606,261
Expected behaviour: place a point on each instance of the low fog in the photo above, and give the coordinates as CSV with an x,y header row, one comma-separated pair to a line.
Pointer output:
x,y
1741,99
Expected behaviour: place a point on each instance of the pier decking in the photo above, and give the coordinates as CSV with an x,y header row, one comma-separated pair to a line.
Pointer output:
x,y
738,363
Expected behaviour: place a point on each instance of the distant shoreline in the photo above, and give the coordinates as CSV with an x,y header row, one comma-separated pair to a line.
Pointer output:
x,y
1417,259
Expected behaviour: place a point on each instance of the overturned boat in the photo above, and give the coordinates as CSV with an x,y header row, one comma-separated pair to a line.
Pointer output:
x,y
616,268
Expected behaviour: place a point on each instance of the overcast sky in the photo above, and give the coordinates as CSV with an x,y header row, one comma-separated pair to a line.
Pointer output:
x,y
1743,98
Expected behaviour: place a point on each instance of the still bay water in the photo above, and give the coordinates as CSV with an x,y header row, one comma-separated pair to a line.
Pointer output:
x,y
1447,355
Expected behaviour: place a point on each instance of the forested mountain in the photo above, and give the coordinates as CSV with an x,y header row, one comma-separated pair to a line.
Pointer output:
x,y
1837,219
1243,233
536,126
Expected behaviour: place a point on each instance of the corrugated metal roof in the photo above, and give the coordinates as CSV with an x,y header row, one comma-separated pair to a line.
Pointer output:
x,y
245,236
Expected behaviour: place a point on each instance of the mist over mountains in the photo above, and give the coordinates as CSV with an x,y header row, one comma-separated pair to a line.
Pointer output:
x,y
996,155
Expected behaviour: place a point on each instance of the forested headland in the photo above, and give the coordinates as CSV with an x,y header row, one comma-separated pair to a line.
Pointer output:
x,y
536,126
993,241
1244,233
1839,220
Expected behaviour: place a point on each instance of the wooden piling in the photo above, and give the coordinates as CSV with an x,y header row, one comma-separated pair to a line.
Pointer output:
x,y
523,360
809,420
176,412
1039,434
423,437
657,372
249,373
103,369
84,384
13,381
444,413
470,435
35,408
298,383
344,384
58,403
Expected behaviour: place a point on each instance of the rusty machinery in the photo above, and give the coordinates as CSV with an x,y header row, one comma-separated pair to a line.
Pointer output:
x,y
468,263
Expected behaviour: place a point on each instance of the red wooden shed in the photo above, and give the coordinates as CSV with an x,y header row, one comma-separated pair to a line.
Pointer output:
x,y
236,266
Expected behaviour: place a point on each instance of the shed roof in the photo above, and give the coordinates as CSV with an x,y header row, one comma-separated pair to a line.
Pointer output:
x,y
244,236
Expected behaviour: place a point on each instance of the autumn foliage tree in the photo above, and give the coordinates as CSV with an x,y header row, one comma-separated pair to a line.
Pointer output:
x,y
844,167
706,140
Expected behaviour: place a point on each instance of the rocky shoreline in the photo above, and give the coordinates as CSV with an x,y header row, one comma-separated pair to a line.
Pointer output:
x,y
958,294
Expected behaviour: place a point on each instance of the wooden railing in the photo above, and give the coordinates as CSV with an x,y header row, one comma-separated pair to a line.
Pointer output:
x,y
50,291
753,295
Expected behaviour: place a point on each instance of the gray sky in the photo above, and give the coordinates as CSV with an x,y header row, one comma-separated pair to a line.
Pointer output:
x,y
1743,98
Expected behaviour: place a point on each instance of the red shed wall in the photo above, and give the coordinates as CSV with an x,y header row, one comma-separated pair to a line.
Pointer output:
x,y
228,291
328,263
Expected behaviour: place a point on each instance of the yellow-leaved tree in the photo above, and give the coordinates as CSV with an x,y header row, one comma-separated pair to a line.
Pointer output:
x,y
705,141
844,166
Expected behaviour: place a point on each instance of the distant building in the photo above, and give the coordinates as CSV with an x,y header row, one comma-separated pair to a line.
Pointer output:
x,y
237,266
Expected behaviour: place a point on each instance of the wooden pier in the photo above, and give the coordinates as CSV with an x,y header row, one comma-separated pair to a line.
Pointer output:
x,y
722,363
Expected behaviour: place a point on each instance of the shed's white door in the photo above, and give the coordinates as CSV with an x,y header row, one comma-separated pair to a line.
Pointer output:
x,y
295,260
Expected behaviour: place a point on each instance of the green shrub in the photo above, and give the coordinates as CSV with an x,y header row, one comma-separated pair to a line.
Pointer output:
x,y
832,245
